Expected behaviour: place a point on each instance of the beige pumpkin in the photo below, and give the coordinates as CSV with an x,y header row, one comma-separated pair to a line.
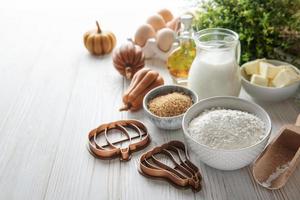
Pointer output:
x,y
99,42
128,59
143,33
156,21
166,14
165,39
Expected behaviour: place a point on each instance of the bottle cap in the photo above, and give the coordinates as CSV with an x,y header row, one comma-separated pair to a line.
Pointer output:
x,y
186,20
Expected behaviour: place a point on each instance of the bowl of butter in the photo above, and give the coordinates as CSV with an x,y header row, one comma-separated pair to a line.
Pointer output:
x,y
270,80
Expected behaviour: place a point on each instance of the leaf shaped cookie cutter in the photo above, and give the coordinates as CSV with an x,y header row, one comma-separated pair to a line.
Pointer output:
x,y
185,174
110,150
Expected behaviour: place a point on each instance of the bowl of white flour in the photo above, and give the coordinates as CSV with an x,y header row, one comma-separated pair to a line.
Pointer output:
x,y
226,133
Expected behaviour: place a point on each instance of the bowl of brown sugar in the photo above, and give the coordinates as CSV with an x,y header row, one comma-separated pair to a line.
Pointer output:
x,y
166,105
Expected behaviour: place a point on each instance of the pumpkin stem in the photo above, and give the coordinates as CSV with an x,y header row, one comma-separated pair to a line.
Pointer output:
x,y
98,27
128,72
125,107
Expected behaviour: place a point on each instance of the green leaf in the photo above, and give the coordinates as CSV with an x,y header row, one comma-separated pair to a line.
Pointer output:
x,y
259,23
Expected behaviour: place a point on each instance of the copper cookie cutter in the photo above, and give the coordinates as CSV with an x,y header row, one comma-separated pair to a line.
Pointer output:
x,y
110,150
185,174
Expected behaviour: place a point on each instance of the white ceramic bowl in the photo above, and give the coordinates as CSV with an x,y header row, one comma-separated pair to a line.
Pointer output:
x,y
168,123
226,159
269,93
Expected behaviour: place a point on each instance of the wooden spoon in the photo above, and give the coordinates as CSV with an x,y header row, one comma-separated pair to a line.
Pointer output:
x,y
278,161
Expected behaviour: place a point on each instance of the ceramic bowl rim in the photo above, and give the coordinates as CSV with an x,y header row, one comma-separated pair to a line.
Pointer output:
x,y
268,132
145,107
271,88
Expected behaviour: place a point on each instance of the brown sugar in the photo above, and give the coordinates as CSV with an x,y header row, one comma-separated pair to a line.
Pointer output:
x,y
169,105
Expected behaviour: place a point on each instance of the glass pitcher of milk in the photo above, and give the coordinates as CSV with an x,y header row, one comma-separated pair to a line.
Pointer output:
x,y
215,70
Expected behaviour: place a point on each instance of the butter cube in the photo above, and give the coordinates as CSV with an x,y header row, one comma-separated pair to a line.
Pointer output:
x,y
270,84
259,80
268,70
285,77
252,67
289,68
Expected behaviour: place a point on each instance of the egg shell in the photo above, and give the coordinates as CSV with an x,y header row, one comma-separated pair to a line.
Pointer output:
x,y
143,33
165,39
174,24
156,21
166,14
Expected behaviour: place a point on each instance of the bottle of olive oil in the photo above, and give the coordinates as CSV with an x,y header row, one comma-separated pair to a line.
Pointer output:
x,y
181,59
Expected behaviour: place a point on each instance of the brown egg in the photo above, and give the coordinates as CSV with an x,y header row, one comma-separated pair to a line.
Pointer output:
x,y
156,21
166,14
174,24
165,39
143,33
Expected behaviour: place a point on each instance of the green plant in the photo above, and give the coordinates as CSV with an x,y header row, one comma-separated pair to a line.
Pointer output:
x,y
262,25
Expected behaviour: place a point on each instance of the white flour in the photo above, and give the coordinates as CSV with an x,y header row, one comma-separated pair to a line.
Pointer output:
x,y
227,129
279,170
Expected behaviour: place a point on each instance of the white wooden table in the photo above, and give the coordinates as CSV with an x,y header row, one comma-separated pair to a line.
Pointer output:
x,y
52,92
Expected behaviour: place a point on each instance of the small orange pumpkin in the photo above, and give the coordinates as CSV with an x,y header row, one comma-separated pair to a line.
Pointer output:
x,y
128,59
99,42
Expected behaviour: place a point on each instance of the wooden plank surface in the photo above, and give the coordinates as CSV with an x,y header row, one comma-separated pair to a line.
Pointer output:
x,y
53,92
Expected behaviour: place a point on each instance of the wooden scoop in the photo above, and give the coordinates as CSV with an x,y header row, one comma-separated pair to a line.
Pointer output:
x,y
277,162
